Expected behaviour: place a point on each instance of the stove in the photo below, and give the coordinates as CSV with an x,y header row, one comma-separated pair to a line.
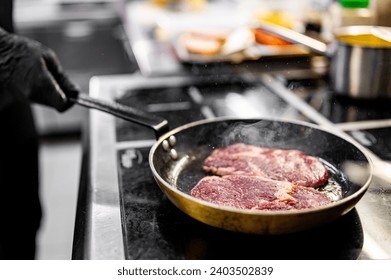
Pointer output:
x,y
367,121
128,217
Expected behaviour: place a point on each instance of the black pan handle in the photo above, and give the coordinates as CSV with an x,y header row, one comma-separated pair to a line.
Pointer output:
x,y
158,124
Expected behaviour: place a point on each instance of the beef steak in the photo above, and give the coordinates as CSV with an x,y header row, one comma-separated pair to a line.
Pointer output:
x,y
283,165
257,193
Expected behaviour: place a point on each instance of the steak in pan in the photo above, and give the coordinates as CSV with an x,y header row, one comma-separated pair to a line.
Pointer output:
x,y
283,165
257,178
257,193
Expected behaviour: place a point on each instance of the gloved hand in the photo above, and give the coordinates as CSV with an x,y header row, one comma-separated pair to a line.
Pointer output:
x,y
29,69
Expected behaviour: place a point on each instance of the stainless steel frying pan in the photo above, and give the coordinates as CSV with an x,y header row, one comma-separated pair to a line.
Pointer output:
x,y
177,156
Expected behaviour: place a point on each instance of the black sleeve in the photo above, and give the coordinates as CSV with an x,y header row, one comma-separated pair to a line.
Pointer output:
x,y
6,15
6,22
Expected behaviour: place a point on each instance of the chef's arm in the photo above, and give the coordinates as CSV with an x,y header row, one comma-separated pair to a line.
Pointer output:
x,y
29,69
6,13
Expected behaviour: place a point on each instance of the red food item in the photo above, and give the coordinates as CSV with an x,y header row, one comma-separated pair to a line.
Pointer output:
x,y
257,193
283,165
266,38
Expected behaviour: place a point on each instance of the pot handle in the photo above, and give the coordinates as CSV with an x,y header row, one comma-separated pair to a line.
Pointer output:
x,y
295,37
158,124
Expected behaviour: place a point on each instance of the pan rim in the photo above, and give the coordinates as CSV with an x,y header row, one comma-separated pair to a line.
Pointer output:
x,y
231,209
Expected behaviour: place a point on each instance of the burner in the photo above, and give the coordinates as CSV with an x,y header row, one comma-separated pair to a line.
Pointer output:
x,y
184,104
377,140
168,103
336,108
352,115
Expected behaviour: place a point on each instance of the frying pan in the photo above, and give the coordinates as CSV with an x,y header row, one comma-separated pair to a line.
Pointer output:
x,y
177,156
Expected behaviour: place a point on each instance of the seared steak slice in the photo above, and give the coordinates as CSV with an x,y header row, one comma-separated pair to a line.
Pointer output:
x,y
257,193
283,165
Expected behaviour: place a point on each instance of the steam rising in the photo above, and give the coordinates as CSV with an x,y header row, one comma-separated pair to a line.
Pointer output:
x,y
265,133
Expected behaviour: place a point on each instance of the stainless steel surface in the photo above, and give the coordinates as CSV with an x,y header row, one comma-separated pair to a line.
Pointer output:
x,y
31,14
104,222
103,233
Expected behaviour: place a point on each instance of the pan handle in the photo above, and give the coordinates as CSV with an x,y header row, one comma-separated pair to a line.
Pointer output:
x,y
158,124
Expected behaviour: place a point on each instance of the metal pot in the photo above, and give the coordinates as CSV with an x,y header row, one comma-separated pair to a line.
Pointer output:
x,y
356,70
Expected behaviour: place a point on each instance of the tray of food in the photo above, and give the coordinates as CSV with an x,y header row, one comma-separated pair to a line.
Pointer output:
x,y
237,45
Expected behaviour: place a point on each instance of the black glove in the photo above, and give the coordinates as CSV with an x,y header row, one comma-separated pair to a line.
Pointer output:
x,y
29,69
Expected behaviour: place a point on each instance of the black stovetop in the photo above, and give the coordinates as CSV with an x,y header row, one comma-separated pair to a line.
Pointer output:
x,y
343,110
155,229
